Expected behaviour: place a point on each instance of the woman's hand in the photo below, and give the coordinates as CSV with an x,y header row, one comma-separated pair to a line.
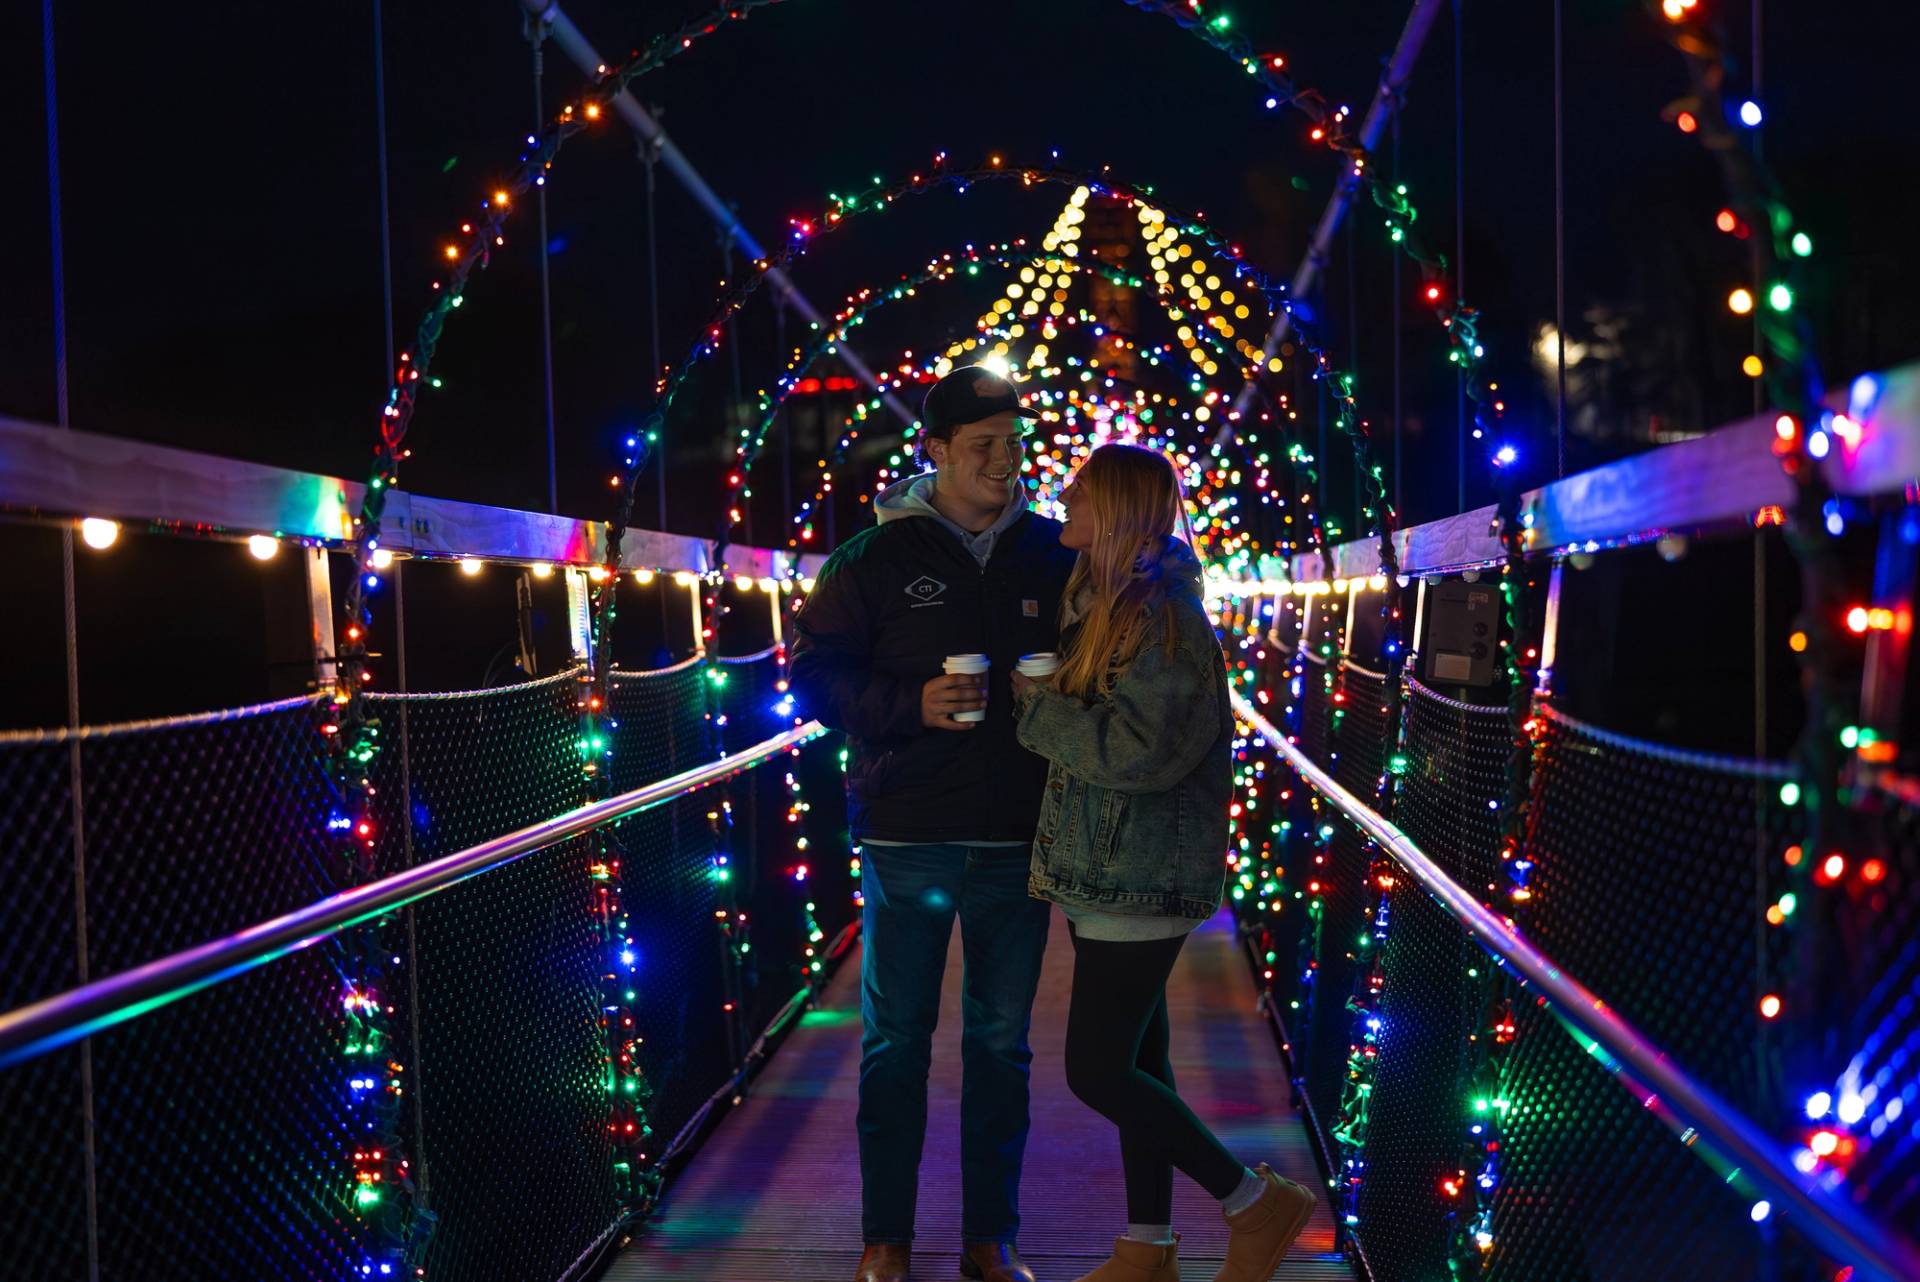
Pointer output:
x,y
1023,685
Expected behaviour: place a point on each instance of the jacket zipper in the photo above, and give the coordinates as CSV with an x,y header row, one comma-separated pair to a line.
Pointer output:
x,y
986,633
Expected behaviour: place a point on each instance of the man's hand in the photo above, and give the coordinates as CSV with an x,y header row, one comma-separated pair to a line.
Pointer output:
x,y
943,696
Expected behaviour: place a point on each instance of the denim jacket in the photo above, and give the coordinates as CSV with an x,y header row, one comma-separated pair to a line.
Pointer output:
x,y
1134,817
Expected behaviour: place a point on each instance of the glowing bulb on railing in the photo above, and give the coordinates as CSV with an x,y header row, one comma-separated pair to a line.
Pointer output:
x,y
263,546
541,569
381,558
99,533
469,566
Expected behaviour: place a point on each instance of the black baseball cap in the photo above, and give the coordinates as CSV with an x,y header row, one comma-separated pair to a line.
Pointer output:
x,y
967,395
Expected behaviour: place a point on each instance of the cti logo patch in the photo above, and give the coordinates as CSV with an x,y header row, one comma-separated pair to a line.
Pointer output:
x,y
1030,609
924,589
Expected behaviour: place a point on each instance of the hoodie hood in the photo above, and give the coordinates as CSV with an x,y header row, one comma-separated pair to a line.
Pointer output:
x,y
1179,568
911,497
914,497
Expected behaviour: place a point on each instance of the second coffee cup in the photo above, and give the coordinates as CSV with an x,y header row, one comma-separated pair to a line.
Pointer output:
x,y
1038,666
968,665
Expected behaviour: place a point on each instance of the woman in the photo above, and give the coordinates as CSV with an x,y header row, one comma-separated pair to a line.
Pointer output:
x,y
1131,844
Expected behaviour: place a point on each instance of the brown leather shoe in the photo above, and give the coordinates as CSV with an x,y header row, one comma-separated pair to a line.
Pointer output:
x,y
883,1262
993,1262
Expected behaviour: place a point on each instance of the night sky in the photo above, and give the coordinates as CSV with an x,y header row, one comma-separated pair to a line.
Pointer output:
x,y
222,217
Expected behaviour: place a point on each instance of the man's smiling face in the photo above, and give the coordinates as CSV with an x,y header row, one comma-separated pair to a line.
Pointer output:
x,y
979,465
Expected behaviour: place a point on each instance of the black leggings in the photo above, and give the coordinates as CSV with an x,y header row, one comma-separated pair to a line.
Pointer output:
x,y
1117,1063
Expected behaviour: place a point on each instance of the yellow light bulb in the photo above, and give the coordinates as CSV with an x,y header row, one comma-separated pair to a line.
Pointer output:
x,y
99,533
263,546
470,567
1740,301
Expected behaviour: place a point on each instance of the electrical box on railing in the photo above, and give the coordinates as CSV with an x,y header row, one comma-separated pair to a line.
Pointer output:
x,y
1461,635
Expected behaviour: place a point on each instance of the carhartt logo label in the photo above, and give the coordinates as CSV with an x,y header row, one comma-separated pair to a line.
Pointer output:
x,y
1030,609
925,588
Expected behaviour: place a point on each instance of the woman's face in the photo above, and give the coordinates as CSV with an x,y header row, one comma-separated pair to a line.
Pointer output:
x,y
1078,531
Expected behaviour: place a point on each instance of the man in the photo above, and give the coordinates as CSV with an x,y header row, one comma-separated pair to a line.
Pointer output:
x,y
943,809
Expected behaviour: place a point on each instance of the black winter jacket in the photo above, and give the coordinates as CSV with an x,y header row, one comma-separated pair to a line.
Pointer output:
x,y
887,609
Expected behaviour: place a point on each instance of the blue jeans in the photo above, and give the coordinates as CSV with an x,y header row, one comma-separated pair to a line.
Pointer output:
x,y
912,896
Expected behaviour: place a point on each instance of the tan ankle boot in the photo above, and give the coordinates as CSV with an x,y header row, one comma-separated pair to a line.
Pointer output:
x,y
1139,1262
1258,1237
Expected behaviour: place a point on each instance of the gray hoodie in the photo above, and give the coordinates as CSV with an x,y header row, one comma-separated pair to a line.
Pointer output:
x,y
914,497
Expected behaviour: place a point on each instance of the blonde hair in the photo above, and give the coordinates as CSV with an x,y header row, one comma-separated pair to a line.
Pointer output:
x,y
1134,503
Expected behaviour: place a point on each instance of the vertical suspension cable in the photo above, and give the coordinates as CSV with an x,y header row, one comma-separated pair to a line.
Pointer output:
x,y
1761,855
1459,249
1320,420
422,1198
786,423
739,391
1755,262
538,35
386,216
1398,502
653,314
70,610
1353,363
1559,242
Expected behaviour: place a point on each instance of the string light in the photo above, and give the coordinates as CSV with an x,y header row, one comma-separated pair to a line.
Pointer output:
x,y
99,533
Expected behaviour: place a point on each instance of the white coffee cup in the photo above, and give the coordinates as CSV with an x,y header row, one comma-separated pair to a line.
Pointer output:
x,y
968,665
1038,666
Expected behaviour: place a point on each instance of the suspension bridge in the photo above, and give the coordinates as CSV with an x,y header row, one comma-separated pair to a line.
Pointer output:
x,y
556,977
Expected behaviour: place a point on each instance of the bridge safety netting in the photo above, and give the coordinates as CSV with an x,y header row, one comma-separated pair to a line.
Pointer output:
x,y
1468,1131
222,1125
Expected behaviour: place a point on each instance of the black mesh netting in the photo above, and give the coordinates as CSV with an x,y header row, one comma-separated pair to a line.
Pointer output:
x,y
1322,1041
222,1126
42,1161
1596,1188
216,1143
1456,776
1654,870
509,1063
1315,713
1360,731
769,885
672,893
1417,1116
1644,853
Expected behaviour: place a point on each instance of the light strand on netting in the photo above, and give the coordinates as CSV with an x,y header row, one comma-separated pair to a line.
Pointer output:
x,y
392,1236
1806,433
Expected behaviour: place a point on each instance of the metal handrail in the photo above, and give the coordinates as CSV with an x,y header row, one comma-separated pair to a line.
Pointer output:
x,y
80,1012
1838,1227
